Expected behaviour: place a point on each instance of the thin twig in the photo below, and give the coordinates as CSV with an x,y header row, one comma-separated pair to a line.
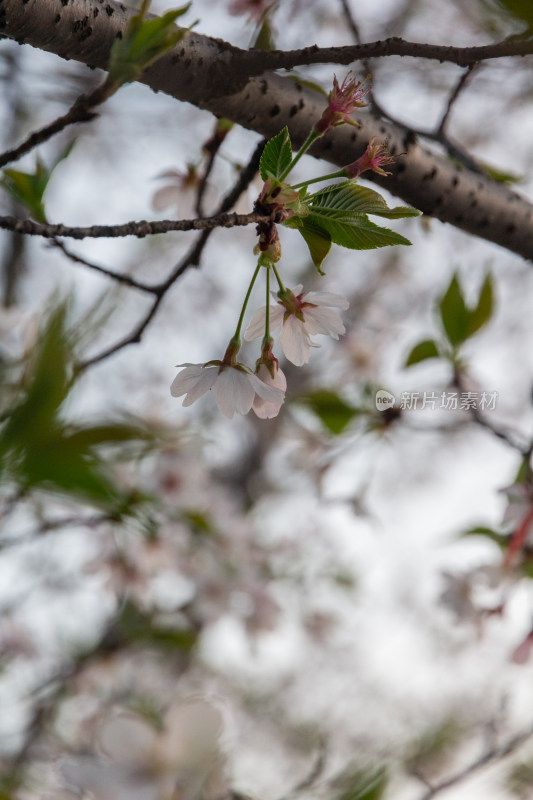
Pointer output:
x,y
460,85
80,111
116,276
139,229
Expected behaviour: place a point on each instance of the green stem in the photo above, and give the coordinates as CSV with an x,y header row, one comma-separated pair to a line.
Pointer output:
x,y
303,149
280,282
267,309
237,334
340,174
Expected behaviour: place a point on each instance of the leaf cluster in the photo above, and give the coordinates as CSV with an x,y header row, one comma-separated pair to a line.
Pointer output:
x,y
337,214
40,450
459,321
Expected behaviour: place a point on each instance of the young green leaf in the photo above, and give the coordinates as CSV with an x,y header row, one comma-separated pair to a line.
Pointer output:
x,y
28,188
454,314
332,411
421,352
350,196
482,313
354,231
318,241
341,211
143,42
277,156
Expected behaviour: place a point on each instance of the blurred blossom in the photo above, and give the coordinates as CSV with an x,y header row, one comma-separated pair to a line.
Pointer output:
x,y
254,8
182,760
179,192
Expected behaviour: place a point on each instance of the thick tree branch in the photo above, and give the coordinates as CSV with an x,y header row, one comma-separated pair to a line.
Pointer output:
x,y
210,74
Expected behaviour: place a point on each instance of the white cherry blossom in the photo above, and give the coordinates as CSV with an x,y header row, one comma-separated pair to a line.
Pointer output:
x,y
303,314
234,386
266,409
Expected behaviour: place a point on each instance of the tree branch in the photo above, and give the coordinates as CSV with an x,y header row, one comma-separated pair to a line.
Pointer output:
x,y
211,74
139,229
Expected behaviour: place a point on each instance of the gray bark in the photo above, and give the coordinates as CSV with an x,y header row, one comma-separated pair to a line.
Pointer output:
x,y
210,74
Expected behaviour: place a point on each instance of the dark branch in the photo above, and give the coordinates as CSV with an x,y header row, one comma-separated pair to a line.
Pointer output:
x,y
212,75
80,111
139,229
255,62
110,273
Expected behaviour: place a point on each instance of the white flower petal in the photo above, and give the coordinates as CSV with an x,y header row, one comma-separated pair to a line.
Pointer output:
x,y
267,390
234,392
326,299
295,341
185,380
203,384
323,320
265,409
277,313
166,197
256,328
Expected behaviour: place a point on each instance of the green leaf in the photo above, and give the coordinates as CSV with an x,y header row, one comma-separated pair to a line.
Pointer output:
x,y
350,196
354,231
28,188
421,352
520,9
264,39
341,211
489,533
499,175
454,314
143,42
482,313
318,241
277,156
333,412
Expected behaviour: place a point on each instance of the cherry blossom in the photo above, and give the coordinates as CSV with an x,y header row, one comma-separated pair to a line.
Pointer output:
x,y
374,157
234,386
303,314
343,100
254,8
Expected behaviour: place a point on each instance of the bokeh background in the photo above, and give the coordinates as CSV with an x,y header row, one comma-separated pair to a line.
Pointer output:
x,y
192,605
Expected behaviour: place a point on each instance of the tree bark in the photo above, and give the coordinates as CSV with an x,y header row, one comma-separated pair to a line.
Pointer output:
x,y
211,74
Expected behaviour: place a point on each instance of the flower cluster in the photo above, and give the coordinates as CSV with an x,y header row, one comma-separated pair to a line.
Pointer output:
x,y
301,315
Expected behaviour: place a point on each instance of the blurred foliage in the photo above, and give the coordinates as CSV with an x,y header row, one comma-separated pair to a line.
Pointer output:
x,y
520,780
133,626
428,753
511,10
39,449
459,321
368,783
28,188
144,41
